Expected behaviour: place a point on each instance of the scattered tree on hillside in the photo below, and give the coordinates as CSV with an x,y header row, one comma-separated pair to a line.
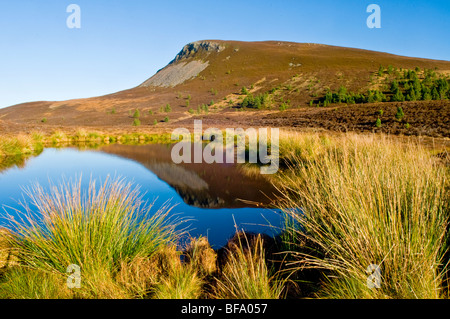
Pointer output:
x,y
399,115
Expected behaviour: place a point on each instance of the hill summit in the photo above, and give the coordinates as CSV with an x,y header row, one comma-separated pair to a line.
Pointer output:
x,y
212,79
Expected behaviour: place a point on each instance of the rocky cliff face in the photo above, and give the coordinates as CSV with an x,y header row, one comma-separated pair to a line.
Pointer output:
x,y
191,49
181,69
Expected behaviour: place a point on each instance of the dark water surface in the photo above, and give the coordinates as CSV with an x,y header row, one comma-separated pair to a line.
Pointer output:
x,y
214,196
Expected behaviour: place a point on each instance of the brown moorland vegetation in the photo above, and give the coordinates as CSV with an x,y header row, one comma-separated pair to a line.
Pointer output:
x,y
290,74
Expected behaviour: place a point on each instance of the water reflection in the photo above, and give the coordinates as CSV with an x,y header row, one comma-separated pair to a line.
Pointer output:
x,y
202,185
213,195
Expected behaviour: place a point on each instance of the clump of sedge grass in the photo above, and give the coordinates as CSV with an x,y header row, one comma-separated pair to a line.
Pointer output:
x,y
100,229
246,275
200,255
359,201
23,283
182,282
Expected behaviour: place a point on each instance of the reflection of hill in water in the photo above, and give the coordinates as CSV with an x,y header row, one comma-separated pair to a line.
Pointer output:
x,y
201,185
192,188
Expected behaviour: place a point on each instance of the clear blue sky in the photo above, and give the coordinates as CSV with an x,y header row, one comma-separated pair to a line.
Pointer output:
x,y
122,43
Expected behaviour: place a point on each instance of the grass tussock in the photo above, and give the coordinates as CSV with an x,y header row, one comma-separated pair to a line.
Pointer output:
x,y
245,274
362,201
163,276
182,281
20,144
122,249
23,283
101,230
201,256
14,150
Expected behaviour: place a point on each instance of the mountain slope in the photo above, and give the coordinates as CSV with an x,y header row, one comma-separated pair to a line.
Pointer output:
x,y
215,71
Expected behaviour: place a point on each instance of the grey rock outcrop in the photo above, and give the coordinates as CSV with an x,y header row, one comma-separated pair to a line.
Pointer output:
x,y
179,70
191,48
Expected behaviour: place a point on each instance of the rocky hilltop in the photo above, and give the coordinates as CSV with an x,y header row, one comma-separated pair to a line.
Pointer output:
x,y
210,79
183,68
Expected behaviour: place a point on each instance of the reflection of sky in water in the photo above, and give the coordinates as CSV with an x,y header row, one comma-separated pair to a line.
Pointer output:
x,y
54,165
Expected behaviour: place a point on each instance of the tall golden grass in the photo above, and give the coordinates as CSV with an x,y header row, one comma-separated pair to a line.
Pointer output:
x,y
100,229
123,248
360,200
245,274
350,201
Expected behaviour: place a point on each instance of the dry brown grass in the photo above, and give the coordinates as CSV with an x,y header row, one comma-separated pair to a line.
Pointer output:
x,y
365,200
245,274
4,249
200,254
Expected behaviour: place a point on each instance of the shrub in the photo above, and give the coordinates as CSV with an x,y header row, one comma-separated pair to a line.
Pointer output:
x,y
378,123
398,97
136,114
435,94
284,106
390,69
380,71
257,102
411,96
168,109
394,87
44,120
136,122
166,119
427,97
399,115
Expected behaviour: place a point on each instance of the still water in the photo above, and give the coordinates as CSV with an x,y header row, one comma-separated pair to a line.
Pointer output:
x,y
215,197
